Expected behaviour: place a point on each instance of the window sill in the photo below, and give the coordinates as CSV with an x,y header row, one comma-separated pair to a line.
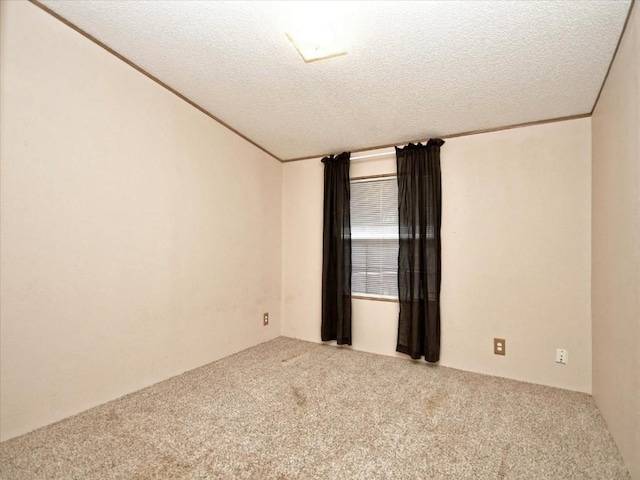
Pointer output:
x,y
377,298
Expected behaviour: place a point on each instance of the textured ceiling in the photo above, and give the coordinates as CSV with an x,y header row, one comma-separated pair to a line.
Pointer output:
x,y
413,70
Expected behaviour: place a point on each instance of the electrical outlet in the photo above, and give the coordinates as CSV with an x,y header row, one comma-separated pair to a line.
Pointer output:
x,y
562,356
499,346
265,319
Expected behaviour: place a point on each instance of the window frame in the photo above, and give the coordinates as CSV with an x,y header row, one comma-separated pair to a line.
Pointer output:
x,y
374,296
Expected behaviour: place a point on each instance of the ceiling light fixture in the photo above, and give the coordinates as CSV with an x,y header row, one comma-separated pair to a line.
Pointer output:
x,y
314,34
312,49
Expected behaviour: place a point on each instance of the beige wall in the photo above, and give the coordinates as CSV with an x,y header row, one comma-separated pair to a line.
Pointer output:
x,y
516,254
616,248
140,238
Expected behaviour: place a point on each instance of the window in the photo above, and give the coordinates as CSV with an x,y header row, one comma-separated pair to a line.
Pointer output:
x,y
374,237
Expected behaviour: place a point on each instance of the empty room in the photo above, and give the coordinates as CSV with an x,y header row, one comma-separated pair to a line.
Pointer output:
x,y
319,240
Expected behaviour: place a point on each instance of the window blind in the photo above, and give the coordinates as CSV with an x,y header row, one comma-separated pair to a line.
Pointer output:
x,y
374,237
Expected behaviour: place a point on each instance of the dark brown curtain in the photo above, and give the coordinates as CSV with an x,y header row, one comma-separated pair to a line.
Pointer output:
x,y
419,213
336,253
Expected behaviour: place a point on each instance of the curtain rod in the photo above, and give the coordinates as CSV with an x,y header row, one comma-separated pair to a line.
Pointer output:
x,y
389,153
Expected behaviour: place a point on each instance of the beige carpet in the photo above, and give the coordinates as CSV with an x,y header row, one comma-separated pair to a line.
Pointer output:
x,y
290,409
